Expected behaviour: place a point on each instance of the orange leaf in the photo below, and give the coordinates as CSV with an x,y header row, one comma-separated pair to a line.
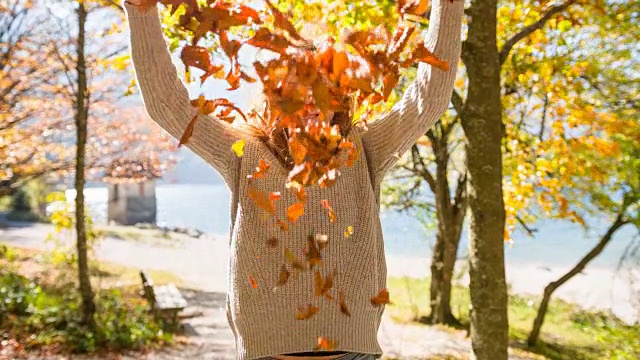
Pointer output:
x,y
413,7
327,206
325,344
389,83
261,199
282,22
261,169
422,54
273,196
295,211
306,313
188,132
381,299
253,282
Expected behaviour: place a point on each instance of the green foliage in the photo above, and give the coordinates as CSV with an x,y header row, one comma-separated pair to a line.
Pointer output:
x,y
569,332
27,202
41,315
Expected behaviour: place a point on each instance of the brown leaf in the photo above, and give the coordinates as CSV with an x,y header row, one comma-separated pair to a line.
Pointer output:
x,y
265,39
323,285
343,305
272,242
400,42
188,132
199,57
306,313
293,260
284,276
381,299
312,252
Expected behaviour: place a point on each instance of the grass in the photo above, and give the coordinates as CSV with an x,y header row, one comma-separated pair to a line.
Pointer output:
x,y
569,333
39,305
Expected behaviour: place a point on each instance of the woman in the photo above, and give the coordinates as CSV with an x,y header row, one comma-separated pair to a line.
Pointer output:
x,y
261,316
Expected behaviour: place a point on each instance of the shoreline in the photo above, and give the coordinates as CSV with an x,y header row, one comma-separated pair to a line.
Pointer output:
x,y
202,262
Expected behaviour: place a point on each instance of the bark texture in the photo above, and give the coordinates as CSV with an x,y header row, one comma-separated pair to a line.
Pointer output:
x,y
81,115
482,123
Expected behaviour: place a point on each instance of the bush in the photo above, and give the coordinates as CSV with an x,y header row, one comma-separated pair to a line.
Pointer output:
x,y
40,316
28,202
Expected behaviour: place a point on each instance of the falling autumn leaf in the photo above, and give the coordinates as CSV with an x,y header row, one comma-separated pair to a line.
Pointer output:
x,y
188,132
324,284
343,305
325,344
253,282
238,147
272,242
381,299
332,215
295,211
293,260
261,199
349,231
306,313
284,276
303,83
312,252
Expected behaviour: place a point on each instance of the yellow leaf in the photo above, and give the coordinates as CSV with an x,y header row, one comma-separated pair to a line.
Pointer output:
x,y
238,147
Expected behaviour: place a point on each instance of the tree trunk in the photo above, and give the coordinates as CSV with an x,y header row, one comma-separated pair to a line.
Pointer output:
x,y
443,263
450,215
553,286
81,104
482,123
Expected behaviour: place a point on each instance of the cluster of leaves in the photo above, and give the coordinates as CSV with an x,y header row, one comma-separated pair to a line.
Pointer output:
x,y
48,317
305,84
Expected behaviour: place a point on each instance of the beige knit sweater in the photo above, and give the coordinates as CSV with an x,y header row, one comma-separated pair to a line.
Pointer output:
x,y
263,318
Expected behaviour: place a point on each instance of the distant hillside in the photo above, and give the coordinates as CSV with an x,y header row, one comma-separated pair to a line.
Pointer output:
x,y
190,169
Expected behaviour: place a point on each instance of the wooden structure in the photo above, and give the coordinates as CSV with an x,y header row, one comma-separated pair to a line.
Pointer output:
x,y
132,194
165,301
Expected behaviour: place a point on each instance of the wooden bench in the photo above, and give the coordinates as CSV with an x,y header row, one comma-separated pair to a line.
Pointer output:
x,y
165,301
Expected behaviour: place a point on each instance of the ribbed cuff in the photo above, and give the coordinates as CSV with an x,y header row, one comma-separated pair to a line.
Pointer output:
x,y
134,12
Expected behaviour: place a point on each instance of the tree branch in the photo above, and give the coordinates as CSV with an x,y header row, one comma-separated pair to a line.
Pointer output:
x,y
530,29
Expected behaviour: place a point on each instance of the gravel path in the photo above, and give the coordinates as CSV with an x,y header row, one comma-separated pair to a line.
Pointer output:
x,y
202,265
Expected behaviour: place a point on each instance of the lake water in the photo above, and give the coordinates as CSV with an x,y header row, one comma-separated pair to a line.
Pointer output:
x,y
206,207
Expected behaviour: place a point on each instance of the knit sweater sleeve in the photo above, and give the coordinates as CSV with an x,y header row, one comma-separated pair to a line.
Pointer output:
x,y
389,137
165,97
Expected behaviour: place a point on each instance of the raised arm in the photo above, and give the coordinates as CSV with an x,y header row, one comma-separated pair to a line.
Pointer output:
x,y
165,97
389,137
